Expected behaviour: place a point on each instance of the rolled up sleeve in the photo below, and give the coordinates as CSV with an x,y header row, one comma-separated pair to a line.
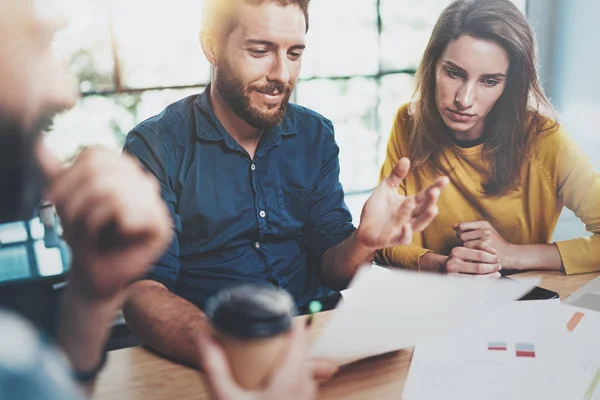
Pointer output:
x,y
330,219
144,144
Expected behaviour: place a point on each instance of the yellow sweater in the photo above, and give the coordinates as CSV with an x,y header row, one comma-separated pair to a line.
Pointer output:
x,y
556,175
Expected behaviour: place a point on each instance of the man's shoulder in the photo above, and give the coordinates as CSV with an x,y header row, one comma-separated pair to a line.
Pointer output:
x,y
306,119
172,121
167,134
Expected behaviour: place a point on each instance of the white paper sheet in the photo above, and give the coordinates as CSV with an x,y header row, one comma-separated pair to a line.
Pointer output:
x,y
461,365
395,310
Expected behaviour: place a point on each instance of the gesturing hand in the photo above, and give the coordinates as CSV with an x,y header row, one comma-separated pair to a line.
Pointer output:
x,y
389,219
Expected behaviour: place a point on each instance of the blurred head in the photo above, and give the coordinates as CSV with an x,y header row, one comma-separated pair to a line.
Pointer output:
x,y
255,47
34,87
478,78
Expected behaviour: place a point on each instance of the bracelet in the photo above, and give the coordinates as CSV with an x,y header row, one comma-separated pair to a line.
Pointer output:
x,y
88,376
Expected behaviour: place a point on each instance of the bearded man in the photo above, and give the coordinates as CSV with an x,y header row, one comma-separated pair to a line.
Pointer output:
x,y
252,183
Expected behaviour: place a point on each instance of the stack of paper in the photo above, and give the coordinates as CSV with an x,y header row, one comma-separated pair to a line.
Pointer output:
x,y
525,350
390,311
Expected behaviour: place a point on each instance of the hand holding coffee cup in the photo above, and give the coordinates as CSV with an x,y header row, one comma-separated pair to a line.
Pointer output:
x,y
293,380
252,323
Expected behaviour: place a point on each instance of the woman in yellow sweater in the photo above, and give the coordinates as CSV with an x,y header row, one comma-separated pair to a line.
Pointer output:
x,y
477,118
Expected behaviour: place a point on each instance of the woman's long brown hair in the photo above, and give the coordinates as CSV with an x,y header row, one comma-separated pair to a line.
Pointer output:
x,y
515,119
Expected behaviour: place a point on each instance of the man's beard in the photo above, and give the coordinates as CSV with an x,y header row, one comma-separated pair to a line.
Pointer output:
x,y
238,98
21,178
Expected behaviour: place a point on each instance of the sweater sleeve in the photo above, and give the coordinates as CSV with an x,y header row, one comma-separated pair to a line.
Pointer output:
x,y
407,256
578,188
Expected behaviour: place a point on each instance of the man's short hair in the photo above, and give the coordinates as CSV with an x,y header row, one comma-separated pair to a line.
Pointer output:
x,y
217,15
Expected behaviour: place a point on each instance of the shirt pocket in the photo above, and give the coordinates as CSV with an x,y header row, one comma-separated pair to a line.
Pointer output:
x,y
294,206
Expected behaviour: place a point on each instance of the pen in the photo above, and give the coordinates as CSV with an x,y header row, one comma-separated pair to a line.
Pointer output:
x,y
314,307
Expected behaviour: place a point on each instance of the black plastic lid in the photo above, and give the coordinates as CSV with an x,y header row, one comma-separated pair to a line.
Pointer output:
x,y
251,311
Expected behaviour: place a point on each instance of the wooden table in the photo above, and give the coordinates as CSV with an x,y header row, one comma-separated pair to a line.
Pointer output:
x,y
138,374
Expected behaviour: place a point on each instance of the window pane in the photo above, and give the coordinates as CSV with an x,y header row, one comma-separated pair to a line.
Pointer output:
x,y
37,229
106,120
394,91
85,45
15,263
96,120
154,101
12,233
350,104
158,44
48,260
521,4
342,39
407,25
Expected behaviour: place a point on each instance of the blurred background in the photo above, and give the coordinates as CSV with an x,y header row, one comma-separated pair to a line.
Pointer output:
x,y
132,58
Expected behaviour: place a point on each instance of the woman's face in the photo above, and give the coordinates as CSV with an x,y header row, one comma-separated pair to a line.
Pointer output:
x,y
470,77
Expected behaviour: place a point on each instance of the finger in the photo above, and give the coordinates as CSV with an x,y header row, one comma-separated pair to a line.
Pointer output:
x,y
472,268
481,245
428,196
473,255
398,173
405,211
72,180
426,199
82,200
296,357
101,215
90,164
455,227
470,226
50,165
424,219
323,370
75,220
426,209
471,235
216,370
295,373
495,275
439,184
404,236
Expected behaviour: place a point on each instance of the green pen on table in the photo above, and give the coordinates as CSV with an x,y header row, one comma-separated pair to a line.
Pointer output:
x,y
314,307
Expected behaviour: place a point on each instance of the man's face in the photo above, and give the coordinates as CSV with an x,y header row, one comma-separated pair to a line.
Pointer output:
x,y
34,86
258,64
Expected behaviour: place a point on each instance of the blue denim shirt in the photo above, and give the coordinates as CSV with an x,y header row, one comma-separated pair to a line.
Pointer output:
x,y
266,220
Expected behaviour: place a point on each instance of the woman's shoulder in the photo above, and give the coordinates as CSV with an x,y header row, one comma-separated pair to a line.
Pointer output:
x,y
405,113
402,121
549,138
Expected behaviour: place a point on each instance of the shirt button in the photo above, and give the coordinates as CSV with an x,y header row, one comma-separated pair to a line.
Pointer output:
x,y
253,167
262,214
257,245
